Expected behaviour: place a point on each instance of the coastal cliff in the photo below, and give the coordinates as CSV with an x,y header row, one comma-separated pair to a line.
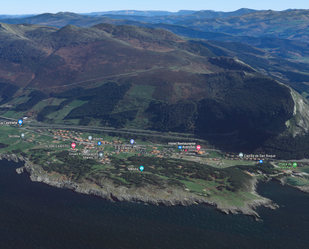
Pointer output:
x,y
146,194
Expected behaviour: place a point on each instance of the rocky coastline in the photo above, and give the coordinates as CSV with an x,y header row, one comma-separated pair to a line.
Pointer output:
x,y
304,188
37,174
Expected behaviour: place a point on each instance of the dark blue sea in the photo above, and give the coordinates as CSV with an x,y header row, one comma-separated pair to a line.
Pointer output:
x,y
35,215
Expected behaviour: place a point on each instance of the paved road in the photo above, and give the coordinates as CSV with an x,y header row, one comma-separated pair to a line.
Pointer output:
x,y
107,129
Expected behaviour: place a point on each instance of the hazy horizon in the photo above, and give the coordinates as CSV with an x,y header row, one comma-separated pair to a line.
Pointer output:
x,y
85,13
24,14
35,7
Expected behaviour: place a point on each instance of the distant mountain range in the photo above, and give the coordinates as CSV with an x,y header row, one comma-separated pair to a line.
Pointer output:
x,y
143,13
169,17
292,56
14,16
133,15
137,14
291,24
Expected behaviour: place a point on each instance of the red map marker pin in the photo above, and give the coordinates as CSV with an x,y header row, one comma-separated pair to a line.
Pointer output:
x,y
198,147
73,145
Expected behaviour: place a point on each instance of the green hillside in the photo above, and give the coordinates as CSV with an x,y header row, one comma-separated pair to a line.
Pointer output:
x,y
136,77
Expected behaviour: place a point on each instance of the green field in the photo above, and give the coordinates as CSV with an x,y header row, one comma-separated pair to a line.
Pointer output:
x,y
13,114
58,116
39,106
57,101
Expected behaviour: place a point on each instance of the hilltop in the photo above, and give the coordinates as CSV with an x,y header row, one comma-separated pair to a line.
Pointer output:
x,y
230,31
48,57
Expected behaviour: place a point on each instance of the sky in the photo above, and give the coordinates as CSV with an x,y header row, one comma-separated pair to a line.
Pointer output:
x,y
82,6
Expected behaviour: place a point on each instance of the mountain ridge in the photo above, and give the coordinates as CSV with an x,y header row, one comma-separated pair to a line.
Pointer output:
x,y
141,78
58,18
286,24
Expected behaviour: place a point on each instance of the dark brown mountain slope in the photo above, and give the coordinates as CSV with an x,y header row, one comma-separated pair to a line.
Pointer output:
x,y
42,57
126,76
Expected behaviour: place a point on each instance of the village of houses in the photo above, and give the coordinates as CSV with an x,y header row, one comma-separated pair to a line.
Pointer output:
x,y
117,147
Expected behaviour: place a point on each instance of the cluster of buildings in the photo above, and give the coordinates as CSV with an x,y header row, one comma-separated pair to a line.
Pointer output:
x,y
114,142
31,139
64,135
236,157
192,152
105,160
123,149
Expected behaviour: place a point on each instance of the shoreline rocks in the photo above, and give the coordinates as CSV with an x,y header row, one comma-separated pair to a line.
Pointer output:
x,y
20,170
304,188
37,174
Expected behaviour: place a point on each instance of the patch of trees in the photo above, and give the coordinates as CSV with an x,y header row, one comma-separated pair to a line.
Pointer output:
x,y
288,147
118,120
140,180
297,77
237,179
45,112
169,168
35,97
230,64
2,145
74,167
17,151
256,106
85,121
173,182
178,117
102,100
7,91
21,51
73,93
196,49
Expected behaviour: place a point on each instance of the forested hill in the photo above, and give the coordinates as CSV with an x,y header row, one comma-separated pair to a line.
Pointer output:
x,y
128,76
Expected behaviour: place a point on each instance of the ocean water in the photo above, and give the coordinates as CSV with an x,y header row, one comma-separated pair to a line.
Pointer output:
x,y
35,215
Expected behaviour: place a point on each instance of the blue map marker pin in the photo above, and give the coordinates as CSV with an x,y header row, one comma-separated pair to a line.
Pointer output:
x,y
132,141
141,168
261,161
99,143
180,147
20,121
